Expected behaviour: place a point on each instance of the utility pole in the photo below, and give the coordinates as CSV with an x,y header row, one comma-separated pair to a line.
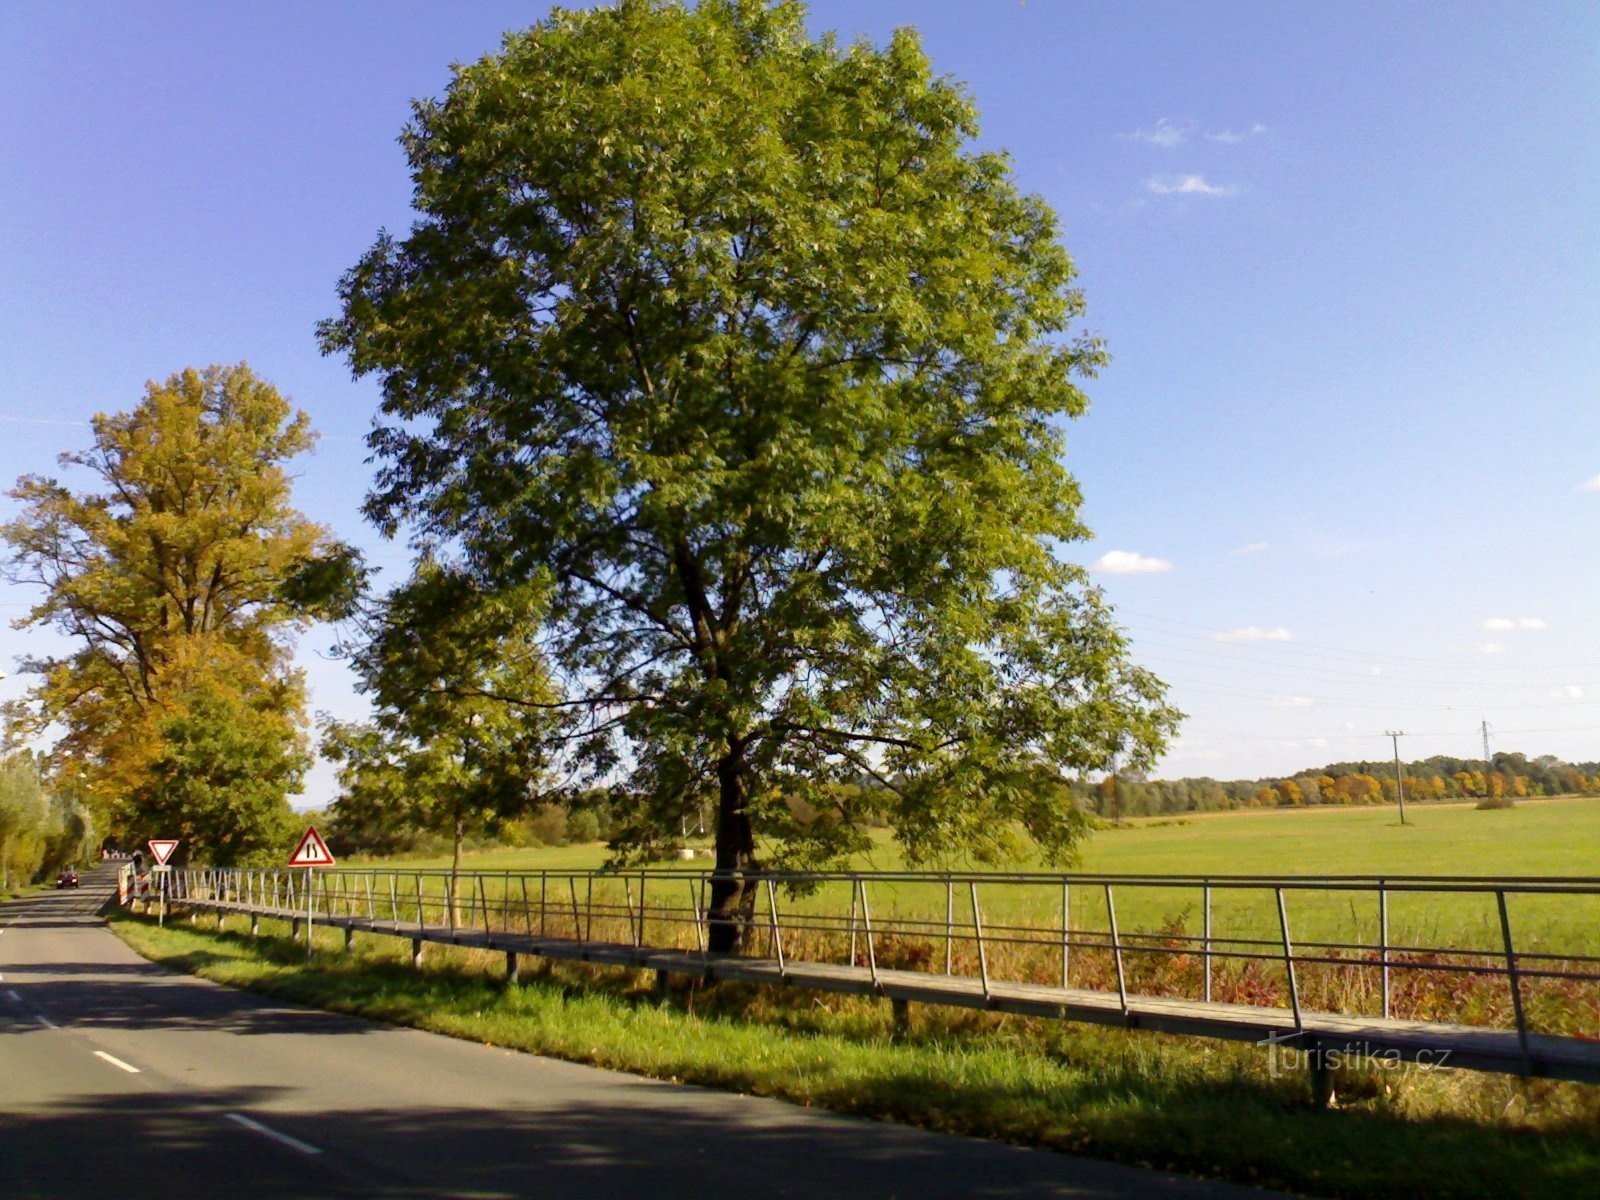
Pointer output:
x,y
1394,736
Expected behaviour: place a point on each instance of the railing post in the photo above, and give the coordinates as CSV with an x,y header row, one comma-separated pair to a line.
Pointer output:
x,y
977,928
1066,931
527,912
633,924
1116,951
643,879
1288,960
1205,937
866,917
694,906
544,891
483,900
577,920
1516,983
852,922
417,879
777,936
949,920
1383,943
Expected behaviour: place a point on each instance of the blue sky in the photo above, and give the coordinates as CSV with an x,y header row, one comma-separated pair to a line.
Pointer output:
x,y
1346,257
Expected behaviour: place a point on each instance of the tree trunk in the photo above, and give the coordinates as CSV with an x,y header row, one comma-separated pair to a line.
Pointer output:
x,y
733,899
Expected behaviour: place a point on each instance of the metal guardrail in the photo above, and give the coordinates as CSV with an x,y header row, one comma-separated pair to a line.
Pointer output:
x,y
1254,959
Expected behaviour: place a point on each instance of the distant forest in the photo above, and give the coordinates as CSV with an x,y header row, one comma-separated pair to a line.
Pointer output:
x,y
1503,777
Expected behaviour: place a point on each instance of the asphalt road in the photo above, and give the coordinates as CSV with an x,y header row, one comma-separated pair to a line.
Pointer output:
x,y
119,1078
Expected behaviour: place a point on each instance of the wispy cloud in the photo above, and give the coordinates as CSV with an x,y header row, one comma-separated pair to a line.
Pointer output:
x,y
1166,133
1127,562
1571,692
1501,624
1294,702
1252,548
1185,185
1490,648
1590,485
1233,137
1254,633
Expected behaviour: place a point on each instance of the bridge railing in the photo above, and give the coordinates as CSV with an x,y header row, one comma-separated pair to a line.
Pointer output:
x,y
1510,953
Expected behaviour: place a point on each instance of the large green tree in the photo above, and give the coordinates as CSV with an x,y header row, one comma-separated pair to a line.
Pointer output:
x,y
179,712
733,340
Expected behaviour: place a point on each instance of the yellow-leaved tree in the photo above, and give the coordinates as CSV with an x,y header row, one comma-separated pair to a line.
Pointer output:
x,y
180,714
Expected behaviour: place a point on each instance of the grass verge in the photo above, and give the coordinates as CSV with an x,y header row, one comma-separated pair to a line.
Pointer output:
x,y
1183,1104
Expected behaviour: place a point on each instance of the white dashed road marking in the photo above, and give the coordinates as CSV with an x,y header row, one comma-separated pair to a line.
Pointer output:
x,y
117,1062
281,1138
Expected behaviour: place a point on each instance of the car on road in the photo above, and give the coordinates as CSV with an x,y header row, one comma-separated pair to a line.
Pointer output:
x,y
67,878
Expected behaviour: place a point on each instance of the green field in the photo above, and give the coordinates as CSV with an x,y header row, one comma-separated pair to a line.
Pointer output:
x,y
1536,838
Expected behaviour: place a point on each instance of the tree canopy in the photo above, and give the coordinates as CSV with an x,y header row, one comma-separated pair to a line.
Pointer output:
x,y
459,692
732,343
181,715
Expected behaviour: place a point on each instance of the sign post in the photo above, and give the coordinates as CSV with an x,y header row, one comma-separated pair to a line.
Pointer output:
x,y
161,850
311,853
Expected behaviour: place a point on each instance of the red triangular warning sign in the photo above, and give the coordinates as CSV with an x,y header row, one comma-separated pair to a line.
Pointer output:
x,y
162,848
312,851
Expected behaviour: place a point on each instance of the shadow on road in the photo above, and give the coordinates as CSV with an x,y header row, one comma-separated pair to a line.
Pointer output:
x,y
588,1150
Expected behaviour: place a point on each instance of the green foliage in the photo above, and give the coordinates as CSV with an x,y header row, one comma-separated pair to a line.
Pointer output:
x,y
224,757
41,830
460,692
731,345
167,580
1510,776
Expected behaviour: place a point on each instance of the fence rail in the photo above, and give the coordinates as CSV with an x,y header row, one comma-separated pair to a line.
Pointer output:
x,y
1355,963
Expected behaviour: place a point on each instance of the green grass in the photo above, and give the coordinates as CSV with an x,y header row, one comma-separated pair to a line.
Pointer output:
x,y
1547,837
1537,837
1185,1104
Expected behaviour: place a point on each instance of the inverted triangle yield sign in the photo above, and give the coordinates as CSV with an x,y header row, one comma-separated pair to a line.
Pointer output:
x,y
162,849
312,851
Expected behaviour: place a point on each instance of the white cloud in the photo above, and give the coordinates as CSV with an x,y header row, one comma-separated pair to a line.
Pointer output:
x,y
1294,702
1501,624
1166,134
1490,648
1234,136
1185,185
1571,692
1254,633
1126,562
1251,548
1590,485
1375,669
1319,742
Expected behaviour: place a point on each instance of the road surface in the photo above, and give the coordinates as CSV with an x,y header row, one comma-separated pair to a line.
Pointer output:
x,y
119,1078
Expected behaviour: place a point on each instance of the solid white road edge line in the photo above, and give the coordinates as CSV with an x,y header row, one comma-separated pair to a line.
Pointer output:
x,y
282,1138
117,1062
45,1021
12,996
